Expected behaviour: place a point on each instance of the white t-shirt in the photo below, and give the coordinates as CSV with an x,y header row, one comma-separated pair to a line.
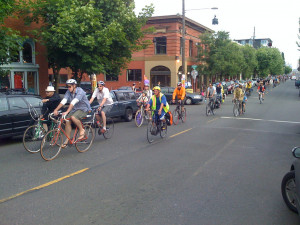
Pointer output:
x,y
103,94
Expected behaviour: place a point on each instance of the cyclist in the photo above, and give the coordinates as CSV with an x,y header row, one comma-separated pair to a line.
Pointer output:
x,y
148,90
261,90
50,103
245,99
219,92
142,99
210,93
179,92
238,95
78,109
248,87
159,101
105,103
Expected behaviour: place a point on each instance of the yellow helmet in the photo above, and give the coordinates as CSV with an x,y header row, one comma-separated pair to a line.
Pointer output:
x,y
156,88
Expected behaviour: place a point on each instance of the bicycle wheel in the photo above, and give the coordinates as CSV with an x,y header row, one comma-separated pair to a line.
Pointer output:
x,y
51,145
83,146
163,129
32,138
139,118
183,115
109,128
208,110
175,117
150,130
236,110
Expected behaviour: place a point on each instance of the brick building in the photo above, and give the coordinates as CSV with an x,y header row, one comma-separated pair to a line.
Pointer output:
x,y
161,61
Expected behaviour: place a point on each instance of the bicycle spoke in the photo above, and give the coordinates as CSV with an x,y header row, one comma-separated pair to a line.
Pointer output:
x,y
89,135
32,138
51,145
109,128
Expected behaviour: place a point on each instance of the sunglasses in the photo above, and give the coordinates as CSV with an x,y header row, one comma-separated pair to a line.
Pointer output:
x,y
47,92
69,86
100,86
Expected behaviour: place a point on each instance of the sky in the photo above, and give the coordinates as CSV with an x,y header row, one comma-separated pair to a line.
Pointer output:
x,y
277,20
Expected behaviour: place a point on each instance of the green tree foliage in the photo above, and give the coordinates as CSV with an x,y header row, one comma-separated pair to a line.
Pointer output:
x,y
10,40
287,70
89,36
250,61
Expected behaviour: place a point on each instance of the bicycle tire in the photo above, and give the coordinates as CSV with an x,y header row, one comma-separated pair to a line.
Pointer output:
x,y
109,128
83,146
32,138
163,132
175,116
236,110
183,116
150,128
51,144
207,110
139,118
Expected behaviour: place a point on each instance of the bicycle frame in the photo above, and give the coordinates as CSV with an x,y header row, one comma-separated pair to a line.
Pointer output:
x,y
61,121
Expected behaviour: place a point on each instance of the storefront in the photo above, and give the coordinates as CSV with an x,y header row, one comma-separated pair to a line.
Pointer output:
x,y
23,73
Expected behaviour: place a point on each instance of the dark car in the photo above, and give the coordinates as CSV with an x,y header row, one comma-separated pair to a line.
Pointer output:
x,y
191,98
128,88
124,106
290,186
14,112
86,86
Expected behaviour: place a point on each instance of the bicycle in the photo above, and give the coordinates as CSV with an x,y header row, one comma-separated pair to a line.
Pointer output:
x,y
34,134
260,97
210,107
156,126
52,142
178,114
109,125
236,107
140,115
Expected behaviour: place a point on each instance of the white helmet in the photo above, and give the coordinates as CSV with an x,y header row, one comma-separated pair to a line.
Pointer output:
x,y
101,83
71,81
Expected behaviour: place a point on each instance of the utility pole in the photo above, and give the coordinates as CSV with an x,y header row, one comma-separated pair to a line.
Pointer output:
x,y
183,38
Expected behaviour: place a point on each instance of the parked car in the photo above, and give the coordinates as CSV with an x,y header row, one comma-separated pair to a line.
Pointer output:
x,y
128,88
125,105
86,86
191,98
290,186
14,112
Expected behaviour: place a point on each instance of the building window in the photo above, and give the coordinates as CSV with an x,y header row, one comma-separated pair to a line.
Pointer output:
x,y
134,75
160,45
190,48
243,42
264,42
63,78
111,77
251,42
27,53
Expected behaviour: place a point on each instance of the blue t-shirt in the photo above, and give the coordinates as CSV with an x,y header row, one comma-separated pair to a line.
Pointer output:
x,y
158,103
83,103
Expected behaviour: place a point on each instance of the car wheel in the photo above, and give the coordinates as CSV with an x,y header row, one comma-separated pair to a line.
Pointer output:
x,y
288,191
128,115
188,101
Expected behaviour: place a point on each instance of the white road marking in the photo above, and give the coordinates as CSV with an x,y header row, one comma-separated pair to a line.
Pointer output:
x,y
254,119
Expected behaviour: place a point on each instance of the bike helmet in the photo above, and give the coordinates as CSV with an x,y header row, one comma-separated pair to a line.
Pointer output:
x,y
71,81
156,88
101,83
179,84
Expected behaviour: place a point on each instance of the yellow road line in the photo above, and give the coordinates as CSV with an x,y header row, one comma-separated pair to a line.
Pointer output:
x,y
174,135
43,185
212,120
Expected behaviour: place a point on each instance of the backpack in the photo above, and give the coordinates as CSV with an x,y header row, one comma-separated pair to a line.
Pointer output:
x,y
169,118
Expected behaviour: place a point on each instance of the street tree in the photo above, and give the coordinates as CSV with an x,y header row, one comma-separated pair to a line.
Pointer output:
x,y
10,40
89,36
250,61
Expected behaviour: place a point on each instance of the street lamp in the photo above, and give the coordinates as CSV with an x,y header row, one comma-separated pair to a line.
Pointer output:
x,y
215,21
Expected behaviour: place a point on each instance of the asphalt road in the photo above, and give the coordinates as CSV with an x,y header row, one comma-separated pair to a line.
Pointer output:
x,y
210,170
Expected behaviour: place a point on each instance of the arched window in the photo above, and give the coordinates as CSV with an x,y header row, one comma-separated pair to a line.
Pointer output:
x,y
27,53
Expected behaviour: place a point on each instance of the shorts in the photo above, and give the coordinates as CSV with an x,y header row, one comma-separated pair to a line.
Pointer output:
x,y
78,114
106,109
161,116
